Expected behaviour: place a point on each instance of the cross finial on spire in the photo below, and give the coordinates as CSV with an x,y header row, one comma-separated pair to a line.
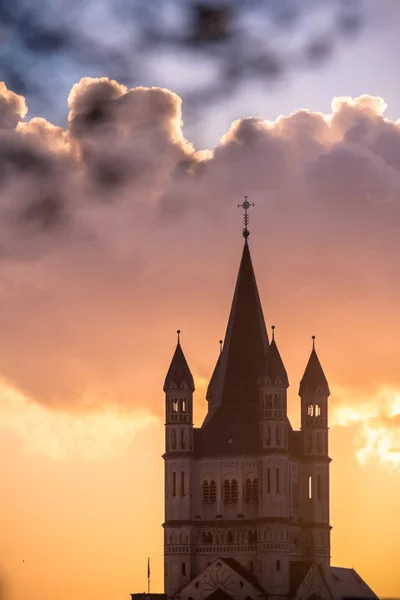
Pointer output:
x,y
246,205
273,332
313,342
179,334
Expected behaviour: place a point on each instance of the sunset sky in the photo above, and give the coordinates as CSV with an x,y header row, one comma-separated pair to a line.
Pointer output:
x,y
119,225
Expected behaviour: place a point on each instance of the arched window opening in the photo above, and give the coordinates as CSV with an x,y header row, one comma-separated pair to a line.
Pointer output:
x,y
268,479
278,480
278,435
229,537
277,401
183,483
255,490
174,483
248,491
183,405
317,410
174,405
206,492
183,568
173,439
268,438
213,491
227,491
310,410
234,489
309,487
269,401
278,565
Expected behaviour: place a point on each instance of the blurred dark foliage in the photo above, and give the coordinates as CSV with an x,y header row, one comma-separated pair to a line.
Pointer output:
x,y
121,39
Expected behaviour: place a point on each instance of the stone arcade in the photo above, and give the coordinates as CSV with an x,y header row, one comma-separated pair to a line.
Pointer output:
x,y
246,496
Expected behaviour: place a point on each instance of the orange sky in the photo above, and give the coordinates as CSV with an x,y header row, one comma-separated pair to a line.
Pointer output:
x,y
95,283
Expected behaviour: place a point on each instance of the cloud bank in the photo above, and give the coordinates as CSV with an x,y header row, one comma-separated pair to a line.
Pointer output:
x,y
116,231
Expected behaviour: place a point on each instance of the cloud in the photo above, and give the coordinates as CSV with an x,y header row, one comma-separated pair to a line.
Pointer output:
x,y
12,108
378,427
116,231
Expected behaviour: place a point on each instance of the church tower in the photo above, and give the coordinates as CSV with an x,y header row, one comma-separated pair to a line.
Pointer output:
x,y
314,393
246,496
274,474
178,388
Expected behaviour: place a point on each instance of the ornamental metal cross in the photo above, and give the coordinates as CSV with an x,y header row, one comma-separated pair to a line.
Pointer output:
x,y
246,205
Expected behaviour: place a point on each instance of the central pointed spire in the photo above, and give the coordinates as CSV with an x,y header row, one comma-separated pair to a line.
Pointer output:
x,y
246,341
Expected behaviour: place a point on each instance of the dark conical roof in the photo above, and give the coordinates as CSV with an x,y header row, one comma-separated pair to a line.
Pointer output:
x,y
178,371
314,380
231,425
273,371
246,340
213,380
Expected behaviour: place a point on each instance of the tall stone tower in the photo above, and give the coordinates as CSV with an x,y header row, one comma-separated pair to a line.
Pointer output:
x,y
314,393
246,496
178,388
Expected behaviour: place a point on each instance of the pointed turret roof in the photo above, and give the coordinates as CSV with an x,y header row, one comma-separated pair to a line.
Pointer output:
x,y
314,380
246,340
214,377
273,370
178,371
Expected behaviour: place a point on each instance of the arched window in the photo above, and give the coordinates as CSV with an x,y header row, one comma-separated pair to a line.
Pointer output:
x,y
227,491
234,491
317,410
174,405
278,435
269,402
183,440
277,401
248,491
278,565
206,492
173,439
183,483
183,405
310,410
183,568
255,490
229,537
213,491
268,438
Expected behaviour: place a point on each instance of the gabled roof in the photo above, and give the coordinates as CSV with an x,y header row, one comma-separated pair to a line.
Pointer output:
x,y
298,570
314,380
346,583
178,373
273,371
